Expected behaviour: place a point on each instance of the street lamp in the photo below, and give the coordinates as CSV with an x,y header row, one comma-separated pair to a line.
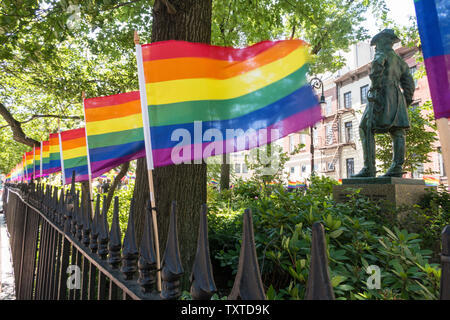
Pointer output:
x,y
316,83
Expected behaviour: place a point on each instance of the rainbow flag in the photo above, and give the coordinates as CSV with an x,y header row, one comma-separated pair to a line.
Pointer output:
x,y
292,184
433,21
29,164
214,181
74,153
431,181
114,130
45,157
54,164
300,184
37,161
201,100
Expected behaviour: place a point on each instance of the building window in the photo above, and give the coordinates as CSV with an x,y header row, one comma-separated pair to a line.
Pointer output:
x,y
315,136
364,91
418,172
303,138
292,169
328,109
350,165
441,163
329,133
413,71
303,168
348,100
244,168
348,131
237,167
291,143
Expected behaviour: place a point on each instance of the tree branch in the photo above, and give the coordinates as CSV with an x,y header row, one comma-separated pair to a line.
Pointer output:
x,y
16,127
123,171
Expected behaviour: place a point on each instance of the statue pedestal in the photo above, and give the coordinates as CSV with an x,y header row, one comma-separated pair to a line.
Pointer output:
x,y
386,190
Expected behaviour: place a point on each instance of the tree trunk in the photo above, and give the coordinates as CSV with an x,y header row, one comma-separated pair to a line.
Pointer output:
x,y
188,20
225,172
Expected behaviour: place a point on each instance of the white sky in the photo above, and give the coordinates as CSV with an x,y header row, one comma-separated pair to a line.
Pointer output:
x,y
400,11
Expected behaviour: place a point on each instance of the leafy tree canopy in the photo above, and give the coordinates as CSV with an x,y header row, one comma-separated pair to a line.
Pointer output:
x,y
53,50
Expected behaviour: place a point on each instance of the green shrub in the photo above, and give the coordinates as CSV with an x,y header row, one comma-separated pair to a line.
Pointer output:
x,y
359,234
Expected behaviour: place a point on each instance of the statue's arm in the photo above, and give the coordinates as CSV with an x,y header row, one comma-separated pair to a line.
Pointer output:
x,y
407,84
376,71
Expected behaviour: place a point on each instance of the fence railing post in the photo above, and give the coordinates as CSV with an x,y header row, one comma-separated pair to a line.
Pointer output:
x,y
248,284
172,269
319,285
147,257
202,279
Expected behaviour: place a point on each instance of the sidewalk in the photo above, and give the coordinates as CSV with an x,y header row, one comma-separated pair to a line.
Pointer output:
x,y
7,291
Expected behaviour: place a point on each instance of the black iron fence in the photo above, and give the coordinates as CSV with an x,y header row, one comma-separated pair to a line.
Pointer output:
x,y
60,252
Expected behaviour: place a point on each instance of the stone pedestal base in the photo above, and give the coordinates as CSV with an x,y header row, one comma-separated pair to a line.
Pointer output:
x,y
386,190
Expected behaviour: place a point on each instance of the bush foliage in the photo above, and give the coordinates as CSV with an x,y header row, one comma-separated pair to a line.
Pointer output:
x,y
403,243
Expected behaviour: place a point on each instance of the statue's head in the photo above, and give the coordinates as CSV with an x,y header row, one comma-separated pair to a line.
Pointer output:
x,y
385,37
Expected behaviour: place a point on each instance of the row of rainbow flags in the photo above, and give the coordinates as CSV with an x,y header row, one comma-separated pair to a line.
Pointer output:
x,y
181,84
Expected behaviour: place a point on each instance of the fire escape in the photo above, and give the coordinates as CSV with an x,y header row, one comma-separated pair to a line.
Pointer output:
x,y
333,139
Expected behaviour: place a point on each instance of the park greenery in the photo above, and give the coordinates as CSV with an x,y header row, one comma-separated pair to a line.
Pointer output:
x,y
404,242
52,51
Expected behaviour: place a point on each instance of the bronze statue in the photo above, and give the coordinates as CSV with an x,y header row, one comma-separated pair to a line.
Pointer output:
x,y
386,110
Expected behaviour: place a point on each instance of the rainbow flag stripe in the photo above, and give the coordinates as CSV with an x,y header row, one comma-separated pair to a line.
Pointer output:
x,y
114,130
431,181
254,89
45,157
54,152
434,28
75,155
29,164
292,184
37,161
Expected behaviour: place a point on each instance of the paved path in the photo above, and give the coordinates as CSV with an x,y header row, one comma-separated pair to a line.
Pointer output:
x,y
7,291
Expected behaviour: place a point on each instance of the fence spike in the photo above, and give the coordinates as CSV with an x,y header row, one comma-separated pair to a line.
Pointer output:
x,y
115,237
172,269
60,209
202,279
103,237
75,213
248,284
54,204
147,255
129,249
80,218
87,222
445,264
319,285
95,226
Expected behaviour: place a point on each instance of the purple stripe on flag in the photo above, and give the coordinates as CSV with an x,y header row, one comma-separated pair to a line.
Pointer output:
x,y
294,123
78,178
100,167
438,73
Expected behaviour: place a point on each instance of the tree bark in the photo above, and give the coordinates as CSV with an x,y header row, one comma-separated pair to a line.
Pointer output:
x,y
188,20
16,127
123,171
225,172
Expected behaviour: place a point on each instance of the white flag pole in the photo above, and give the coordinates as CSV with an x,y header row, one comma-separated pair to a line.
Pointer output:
x,y
41,159
34,163
88,157
444,137
148,152
63,174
